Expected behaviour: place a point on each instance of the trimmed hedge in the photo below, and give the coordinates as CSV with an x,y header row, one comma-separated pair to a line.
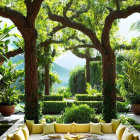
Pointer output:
x,y
87,97
53,98
53,107
56,107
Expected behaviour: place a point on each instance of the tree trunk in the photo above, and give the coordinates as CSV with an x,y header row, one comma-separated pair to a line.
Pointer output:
x,y
31,79
109,89
47,81
87,70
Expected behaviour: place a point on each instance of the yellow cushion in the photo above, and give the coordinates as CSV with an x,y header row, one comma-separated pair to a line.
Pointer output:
x,y
135,137
10,137
48,129
82,128
127,135
19,135
119,131
37,128
25,131
106,127
29,125
64,128
95,128
115,124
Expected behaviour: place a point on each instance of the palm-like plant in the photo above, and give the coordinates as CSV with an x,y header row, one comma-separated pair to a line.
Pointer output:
x,y
133,76
135,26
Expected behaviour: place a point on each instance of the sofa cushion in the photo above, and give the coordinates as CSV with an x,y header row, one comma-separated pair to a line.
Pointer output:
x,y
64,128
48,129
19,135
115,124
95,128
29,125
107,128
82,128
25,131
10,137
135,137
119,131
37,128
127,135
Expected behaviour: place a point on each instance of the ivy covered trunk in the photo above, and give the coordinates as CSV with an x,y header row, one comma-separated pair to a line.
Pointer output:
x,y
87,70
109,89
31,80
47,85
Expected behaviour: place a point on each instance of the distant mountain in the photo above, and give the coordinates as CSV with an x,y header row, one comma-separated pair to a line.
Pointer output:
x,y
62,72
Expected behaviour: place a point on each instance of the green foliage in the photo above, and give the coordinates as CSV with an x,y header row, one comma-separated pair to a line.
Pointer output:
x,y
108,113
131,77
97,105
79,114
127,120
122,107
21,97
53,107
90,90
96,75
65,91
50,118
77,81
8,96
53,98
9,75
87,97
33,110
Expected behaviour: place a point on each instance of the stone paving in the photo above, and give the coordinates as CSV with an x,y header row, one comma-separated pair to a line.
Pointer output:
x,y
135,117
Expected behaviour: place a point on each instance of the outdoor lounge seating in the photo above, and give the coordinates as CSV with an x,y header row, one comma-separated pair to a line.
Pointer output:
x,y
73,131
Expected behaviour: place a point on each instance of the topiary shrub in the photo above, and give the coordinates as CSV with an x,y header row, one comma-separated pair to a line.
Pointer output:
x,y
53,98
53,107
87,97
77,82
79,114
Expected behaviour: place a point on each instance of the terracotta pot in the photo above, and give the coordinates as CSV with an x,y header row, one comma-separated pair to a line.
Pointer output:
x,y
135,108
7,110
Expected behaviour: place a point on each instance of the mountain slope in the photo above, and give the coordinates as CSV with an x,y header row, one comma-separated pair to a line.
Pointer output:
x,y
62,72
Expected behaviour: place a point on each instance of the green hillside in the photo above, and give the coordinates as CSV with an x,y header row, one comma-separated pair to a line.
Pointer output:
x,y
62,72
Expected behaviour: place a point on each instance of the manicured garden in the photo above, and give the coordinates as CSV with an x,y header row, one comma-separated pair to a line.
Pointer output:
x,y
34,33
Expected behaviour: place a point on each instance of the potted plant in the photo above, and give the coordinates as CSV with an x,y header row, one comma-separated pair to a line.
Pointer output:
x,y
133,79
134,99
8,100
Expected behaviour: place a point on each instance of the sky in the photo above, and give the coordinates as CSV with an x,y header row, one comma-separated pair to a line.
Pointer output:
x,y
69,60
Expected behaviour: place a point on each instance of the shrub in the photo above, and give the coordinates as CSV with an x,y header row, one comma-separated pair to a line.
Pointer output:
x,y
87,97
77,82
79,114
97,105
50,119
122,107
53,107
53,98
65,91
